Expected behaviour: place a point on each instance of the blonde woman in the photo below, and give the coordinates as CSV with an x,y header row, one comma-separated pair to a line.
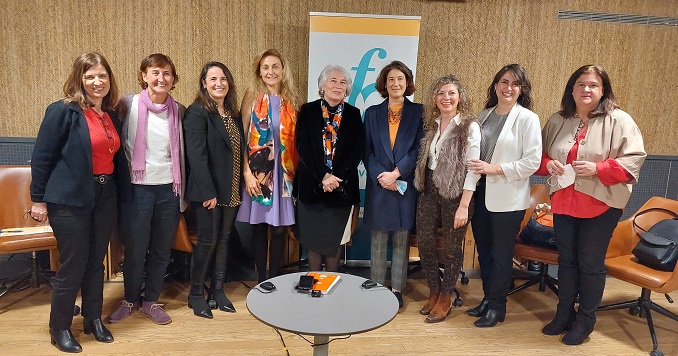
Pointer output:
x,y
269,114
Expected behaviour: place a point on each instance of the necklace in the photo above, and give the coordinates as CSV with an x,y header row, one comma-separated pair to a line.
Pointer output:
x,y
580,127
394,116
109,135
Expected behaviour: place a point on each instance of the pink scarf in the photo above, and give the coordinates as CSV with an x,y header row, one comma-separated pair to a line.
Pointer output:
x,y
139,153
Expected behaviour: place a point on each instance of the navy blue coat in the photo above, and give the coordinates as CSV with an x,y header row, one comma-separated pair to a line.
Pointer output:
x,y
61,165
387,210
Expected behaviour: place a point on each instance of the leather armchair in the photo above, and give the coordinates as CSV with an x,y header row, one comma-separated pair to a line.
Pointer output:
x,y
621,264
14,194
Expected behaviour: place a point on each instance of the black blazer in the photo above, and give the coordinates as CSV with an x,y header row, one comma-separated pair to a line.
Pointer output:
x,y
347,156
61,166
209,156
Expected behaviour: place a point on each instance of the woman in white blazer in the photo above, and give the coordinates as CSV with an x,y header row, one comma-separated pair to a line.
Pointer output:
x,y
510,152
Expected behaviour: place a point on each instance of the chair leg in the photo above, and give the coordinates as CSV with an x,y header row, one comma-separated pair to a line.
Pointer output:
x,y
542,278
645,306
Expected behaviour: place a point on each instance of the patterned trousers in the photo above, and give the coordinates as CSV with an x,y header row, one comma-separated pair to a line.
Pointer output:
x,y
431,208
398,261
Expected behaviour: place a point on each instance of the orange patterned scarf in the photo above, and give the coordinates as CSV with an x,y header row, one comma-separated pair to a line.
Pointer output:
x,y
262,147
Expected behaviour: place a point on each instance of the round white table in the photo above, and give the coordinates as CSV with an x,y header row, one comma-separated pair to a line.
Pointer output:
x,y
346,309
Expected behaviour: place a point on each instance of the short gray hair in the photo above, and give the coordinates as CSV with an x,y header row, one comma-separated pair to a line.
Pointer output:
x,y
327,71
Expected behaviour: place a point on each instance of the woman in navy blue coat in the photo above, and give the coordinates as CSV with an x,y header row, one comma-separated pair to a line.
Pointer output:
x,y
393,131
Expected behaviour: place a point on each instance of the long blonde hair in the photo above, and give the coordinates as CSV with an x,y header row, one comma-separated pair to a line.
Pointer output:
x,y
431,109
287,89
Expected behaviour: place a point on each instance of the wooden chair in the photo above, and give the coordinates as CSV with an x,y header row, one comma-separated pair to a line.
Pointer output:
x,y
621,264
546,257
14,194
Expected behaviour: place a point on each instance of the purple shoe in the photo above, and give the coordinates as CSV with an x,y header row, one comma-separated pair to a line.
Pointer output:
x,y
154,311
124,310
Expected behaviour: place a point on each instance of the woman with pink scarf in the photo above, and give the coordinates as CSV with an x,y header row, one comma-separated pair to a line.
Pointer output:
x,y
152,135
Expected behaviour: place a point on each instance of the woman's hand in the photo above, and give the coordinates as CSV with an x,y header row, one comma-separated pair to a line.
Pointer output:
x,y
210,204
481,167
251,184
461,216
330,182
585,168
386,179
39,212
556,168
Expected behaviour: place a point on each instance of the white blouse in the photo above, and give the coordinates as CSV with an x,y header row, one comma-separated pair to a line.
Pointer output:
x,y
472,149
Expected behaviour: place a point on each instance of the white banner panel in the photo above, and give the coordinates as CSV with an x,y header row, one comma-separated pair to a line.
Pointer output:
x,y
363,44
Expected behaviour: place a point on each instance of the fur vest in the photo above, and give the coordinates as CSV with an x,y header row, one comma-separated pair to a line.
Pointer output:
x,y
450,173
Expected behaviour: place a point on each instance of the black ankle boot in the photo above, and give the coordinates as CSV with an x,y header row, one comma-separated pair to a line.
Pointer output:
x,y
64,340
479,310
559,325
101,333
197,302
199,306
222,301
490,319
578,333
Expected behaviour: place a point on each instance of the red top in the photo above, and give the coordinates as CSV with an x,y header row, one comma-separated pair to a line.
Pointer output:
x,y
568,201
104,139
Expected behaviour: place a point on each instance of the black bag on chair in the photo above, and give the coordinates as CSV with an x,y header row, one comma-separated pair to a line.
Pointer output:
x,y
539,229
658,246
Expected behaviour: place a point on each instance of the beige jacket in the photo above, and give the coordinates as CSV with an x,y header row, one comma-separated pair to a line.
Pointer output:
x,y
613,136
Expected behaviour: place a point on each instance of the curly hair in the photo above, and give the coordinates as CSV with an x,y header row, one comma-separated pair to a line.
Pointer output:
x,y
431,109
75,92
607,103
380,85
287,89
519,73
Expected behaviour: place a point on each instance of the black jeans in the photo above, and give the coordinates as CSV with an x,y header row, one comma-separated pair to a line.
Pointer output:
x,y
82,236
582,245
151,221
495,237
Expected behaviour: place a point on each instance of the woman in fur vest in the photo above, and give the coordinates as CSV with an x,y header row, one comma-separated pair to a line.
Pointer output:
x,y
446,186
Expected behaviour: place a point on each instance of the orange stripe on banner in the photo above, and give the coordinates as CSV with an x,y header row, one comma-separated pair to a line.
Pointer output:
x,y
365,25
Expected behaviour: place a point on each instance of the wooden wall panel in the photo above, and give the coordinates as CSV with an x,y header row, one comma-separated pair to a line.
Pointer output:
x,y
473,38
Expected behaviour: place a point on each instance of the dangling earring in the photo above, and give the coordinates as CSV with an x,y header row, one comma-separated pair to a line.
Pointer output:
x,y
321,92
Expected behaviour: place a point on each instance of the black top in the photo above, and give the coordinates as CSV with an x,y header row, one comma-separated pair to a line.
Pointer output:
x,y
347,155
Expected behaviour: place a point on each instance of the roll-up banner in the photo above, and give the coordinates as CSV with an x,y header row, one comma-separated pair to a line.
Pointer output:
x,y
363,44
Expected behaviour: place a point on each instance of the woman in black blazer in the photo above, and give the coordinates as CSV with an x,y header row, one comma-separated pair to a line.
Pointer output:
x,y
214,143
75,166
330,139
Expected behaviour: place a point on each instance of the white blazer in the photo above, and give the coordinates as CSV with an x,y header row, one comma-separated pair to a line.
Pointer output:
x,y
518,152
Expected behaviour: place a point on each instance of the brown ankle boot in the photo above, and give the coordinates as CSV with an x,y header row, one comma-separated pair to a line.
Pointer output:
x,y
441,309
432,300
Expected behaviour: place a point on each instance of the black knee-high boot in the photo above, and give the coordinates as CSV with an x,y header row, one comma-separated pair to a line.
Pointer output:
x,y
219,274
199,265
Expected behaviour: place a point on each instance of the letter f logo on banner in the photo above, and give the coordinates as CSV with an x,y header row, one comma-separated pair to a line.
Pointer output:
x,y
361,72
